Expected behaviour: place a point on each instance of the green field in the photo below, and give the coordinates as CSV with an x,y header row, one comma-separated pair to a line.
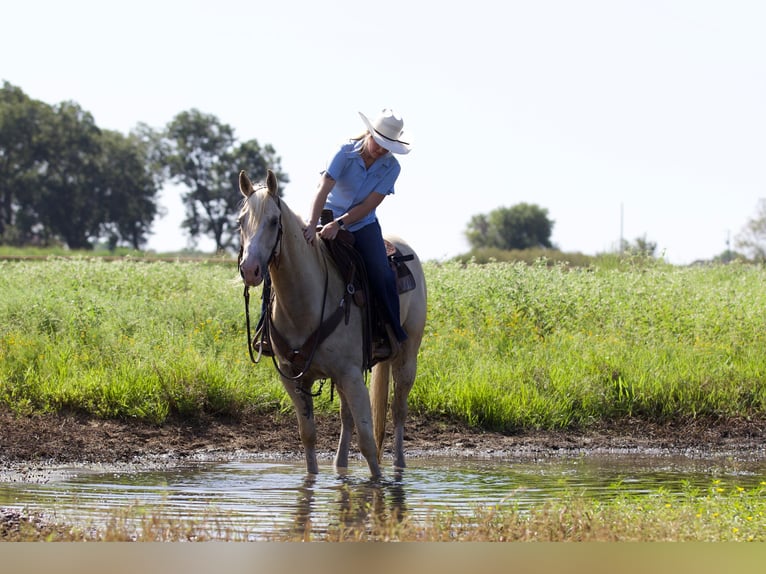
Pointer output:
x,y
507,346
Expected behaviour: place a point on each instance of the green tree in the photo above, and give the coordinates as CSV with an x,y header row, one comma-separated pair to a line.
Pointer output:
x,y
752,238
641,246
204,156
130,183
253,158
522,226
64,205
62,179
22,152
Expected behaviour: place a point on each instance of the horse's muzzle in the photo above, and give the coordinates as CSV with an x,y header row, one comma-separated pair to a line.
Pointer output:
x,y
252,276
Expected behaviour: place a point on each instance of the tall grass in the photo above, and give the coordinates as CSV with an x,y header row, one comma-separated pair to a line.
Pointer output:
x,y
507,346
127,339
513,346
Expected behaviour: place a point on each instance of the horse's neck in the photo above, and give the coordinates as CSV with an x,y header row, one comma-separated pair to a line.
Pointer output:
x,y
298,279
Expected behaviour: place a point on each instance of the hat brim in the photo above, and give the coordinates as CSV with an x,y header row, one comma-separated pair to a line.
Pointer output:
x,y
394,146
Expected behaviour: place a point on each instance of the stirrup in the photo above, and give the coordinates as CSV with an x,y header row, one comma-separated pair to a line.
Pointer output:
x,y
381,350
262,347
386,348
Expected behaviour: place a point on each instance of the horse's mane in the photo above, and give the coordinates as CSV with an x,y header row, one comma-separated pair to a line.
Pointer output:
x,y
255,205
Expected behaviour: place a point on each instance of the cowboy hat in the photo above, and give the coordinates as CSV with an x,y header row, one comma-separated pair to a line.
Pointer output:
x,y
388,130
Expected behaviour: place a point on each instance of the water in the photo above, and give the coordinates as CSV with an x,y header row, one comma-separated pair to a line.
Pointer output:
x,y
262,497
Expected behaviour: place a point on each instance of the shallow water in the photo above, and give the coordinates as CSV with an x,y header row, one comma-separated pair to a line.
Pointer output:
x,y
262,497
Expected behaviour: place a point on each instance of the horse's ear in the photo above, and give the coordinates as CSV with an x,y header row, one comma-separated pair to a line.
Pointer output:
x,y
272,183
245,185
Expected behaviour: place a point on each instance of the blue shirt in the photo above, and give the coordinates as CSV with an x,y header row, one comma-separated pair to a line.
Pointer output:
x,y
354,182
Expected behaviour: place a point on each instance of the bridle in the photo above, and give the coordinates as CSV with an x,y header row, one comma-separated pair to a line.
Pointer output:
x,y
274,256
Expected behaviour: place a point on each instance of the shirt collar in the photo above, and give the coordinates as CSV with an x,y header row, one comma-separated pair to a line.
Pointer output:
x,y
356,148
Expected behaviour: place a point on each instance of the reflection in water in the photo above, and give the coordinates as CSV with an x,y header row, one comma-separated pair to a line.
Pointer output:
x,y
398,499
261,498
357,506
304,508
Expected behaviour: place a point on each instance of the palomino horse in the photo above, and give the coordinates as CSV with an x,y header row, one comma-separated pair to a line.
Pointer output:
x,y
307,287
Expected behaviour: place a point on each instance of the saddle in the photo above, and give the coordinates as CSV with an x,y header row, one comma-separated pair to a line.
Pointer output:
x,y
353,271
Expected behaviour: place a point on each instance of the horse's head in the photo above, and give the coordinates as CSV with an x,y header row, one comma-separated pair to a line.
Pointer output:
x,y
260,227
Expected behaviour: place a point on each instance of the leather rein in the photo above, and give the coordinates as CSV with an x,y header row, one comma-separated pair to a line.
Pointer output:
x,y
300,358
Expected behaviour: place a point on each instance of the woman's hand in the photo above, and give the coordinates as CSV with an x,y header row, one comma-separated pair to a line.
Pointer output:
x,y
329,231
309,233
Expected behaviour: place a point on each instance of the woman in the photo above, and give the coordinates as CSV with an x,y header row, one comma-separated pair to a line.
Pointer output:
x,y
360,175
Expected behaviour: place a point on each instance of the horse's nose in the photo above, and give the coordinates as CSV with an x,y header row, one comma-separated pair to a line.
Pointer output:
x,y
251,275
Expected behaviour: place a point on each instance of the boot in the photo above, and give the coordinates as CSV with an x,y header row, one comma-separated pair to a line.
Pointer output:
x,y
385,348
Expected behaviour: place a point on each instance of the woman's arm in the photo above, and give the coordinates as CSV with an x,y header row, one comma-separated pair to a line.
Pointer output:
x,y
326,183
356,213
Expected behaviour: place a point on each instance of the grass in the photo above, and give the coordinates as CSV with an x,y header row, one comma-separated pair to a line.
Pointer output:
x,y
513,346
126,339
507,346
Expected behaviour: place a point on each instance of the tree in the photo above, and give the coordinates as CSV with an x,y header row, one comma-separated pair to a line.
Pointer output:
x,y
64,179
641,246
22,153
205,158
522,226
752,238
255,159
130,182
67,206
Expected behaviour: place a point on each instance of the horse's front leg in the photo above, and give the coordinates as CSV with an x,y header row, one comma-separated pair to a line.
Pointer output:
x,y
346,427
358,400
303,403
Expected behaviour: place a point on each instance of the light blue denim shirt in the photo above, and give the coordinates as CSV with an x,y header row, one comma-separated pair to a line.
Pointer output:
x,y
354,182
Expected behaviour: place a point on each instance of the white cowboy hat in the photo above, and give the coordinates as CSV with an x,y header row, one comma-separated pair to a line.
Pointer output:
x,y
388,131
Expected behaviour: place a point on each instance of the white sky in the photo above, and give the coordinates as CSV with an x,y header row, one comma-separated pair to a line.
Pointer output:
x,y
655,109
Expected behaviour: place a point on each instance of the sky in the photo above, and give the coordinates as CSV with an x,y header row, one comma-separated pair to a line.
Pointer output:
x,y
624,119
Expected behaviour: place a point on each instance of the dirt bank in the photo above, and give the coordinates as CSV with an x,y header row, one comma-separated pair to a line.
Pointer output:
x,y
70,439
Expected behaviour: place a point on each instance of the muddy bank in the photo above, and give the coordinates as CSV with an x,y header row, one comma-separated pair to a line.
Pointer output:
x,y
49,440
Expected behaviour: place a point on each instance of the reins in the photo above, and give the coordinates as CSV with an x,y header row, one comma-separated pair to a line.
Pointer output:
x,y
247,320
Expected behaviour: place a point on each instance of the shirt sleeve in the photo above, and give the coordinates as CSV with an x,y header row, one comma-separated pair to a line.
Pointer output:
x,y
338,164
386,184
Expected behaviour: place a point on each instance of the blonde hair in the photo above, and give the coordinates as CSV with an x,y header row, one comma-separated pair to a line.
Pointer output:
x,y
362,136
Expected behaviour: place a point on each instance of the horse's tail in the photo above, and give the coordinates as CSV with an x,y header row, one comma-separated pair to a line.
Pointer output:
x,y
381,376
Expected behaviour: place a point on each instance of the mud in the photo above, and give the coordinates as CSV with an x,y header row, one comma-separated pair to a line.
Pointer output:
x,y
33,448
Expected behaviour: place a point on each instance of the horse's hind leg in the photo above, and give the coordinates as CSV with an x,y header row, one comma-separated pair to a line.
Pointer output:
x,y
404,377
346,427
304,410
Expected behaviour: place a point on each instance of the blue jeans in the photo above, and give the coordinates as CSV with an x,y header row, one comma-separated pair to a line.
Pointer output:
x,y
369,242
